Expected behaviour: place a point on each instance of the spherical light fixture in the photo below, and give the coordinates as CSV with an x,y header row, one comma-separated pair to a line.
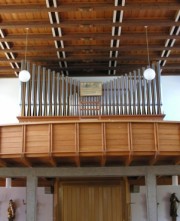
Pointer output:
x,y
24,76
149,73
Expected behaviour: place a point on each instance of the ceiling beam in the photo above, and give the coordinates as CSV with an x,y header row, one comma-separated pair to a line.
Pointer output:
x,y
171,66
10,74
3,163
75,48
75,23
88,68
87,37
4,68
89,58
169,73
85,7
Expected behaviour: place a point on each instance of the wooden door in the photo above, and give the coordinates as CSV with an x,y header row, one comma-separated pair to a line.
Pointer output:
x,y
92,201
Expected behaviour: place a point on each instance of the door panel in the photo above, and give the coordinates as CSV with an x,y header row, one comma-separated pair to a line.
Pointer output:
x,y
92,201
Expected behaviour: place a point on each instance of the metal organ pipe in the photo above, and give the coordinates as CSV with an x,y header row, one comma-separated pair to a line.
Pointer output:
x,y
51,94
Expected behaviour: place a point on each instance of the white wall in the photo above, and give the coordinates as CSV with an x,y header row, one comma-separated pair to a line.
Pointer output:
x,y
45,203
171,97
9,98
138,203
18,195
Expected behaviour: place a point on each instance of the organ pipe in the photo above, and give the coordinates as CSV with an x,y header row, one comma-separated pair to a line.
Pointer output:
x,y
51,94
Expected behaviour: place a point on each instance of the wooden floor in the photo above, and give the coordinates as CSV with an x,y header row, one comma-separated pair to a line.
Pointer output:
x,y
90,142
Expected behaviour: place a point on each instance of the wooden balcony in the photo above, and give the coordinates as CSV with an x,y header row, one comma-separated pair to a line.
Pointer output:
x,y
90,142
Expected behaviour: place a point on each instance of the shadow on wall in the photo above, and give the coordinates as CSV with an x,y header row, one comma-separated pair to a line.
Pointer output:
x,y
166,203
144,205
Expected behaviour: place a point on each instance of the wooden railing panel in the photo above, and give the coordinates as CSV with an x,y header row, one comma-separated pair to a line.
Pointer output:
x,y
64,138
169,137
143,137
37,138
117,137
90,137
11,140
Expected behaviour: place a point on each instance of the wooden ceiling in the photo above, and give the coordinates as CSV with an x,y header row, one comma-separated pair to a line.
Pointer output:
x,y
89,37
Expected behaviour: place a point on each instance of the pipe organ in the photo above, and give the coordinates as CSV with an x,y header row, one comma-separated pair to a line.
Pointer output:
x,y
51,94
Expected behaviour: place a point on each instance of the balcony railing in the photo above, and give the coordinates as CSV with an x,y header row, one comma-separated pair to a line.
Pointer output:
x,y
102,141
